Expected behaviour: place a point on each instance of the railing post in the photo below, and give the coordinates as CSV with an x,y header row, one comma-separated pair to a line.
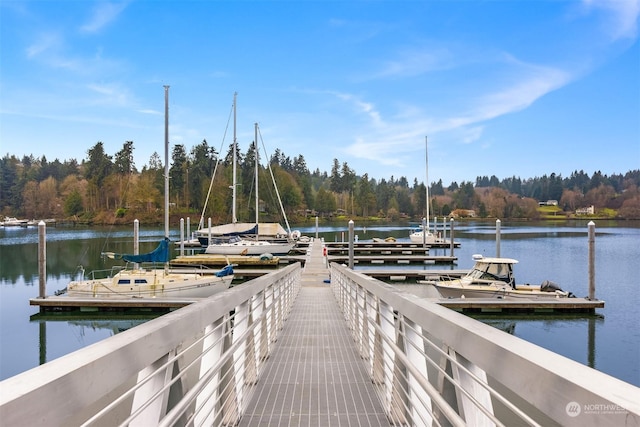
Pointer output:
x,y
208,399
418,401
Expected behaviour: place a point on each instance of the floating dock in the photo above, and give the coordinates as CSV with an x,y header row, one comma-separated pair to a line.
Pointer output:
x,y
221,260
405,279
540,306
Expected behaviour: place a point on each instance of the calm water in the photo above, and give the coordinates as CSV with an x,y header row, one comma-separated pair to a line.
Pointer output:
x,y
608,342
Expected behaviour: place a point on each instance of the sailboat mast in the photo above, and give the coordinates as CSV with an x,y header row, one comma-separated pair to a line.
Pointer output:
x,y
166,161
426,150
234,219
255,146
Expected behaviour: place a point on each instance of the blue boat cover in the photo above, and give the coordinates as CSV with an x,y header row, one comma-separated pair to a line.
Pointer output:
x,y
227,271
159,254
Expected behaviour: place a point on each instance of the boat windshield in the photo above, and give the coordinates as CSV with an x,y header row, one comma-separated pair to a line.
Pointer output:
x,y
493,271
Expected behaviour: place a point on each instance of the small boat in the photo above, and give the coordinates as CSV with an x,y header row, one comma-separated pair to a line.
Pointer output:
x,y
135,281
14,222
494,278
389,239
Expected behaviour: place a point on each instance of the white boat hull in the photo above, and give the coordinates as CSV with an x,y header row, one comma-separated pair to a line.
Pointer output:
x,y
417,237
158,285
493,292
249,248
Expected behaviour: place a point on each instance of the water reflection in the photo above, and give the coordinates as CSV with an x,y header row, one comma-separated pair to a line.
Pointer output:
x,y
86,324
584,323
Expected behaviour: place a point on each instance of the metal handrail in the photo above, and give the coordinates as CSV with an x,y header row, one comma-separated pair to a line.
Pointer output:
x,y
198,363
434,366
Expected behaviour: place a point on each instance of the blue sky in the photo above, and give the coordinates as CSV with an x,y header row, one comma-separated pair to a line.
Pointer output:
x,y
503,88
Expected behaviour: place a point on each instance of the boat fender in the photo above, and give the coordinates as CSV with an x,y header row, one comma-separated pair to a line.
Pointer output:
x,y
549,286
295,234
266,256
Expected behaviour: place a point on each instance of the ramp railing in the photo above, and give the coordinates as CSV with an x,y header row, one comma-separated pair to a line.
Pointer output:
x,y
435,367
194,366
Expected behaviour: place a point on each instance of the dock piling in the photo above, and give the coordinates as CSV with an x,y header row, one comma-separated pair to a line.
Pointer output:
x,y
42,259
316,226
451,244
181,236
351,244
592,260
498,222
136,238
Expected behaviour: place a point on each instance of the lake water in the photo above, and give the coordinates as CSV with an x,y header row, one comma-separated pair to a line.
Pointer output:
x,y
608,341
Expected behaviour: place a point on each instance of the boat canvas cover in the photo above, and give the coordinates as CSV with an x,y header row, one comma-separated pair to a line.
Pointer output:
x,y
159,254
265,229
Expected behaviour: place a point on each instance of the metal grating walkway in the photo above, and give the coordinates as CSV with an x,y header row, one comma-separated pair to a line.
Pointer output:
x,y
315,376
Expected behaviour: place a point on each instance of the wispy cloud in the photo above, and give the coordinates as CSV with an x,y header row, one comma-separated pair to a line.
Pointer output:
x,y
103,14
366,108
386,139
622,16
415,62
45,43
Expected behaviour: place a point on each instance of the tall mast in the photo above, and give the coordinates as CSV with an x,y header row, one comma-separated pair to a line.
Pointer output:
x,y
426,150
166,161
234,219
255,153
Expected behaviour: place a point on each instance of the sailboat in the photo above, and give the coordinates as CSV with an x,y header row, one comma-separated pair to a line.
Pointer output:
x,y
237,244
424,234
136,280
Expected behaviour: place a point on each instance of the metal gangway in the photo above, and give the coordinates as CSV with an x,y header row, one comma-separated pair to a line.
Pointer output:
x,y
324,345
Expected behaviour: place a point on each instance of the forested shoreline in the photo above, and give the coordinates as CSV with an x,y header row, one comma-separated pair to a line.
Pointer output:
x,y
108,189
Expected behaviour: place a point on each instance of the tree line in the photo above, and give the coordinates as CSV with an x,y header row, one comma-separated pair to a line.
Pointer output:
x,y
104,188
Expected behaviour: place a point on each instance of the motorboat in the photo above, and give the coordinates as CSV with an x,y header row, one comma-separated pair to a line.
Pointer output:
x,y
14,222
494,278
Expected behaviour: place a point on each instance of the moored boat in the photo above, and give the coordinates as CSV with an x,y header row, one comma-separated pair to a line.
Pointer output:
x,y
14,222
494,278
157,281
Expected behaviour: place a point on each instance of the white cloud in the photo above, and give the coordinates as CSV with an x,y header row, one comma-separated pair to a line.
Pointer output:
x,y
103,15
416,62
44,44
622,19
